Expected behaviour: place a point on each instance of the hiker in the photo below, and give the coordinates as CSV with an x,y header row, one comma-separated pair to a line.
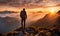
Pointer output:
x,y
23,16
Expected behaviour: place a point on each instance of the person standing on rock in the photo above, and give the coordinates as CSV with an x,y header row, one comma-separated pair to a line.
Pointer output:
x,y
23,16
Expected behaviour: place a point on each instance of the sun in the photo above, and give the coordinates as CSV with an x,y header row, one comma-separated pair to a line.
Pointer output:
x,y
53,10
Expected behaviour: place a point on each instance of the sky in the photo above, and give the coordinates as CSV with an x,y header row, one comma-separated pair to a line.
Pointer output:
x,y
18,3
28,4
32,6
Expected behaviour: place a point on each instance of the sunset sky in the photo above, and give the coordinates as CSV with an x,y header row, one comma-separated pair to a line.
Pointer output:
x,y
33,8
30,5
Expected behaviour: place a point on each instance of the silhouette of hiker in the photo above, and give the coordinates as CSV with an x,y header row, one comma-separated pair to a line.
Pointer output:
x,y
23,16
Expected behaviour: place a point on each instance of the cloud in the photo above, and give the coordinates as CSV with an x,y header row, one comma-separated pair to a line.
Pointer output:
x,y
5,1
10,2
18,3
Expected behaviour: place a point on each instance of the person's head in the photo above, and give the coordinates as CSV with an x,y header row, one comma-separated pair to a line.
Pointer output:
x,y
23,9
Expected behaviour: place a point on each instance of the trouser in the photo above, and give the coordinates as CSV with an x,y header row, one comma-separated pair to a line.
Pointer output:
x,y
23,24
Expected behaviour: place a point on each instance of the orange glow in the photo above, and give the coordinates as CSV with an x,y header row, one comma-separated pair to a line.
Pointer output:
x,y
53,10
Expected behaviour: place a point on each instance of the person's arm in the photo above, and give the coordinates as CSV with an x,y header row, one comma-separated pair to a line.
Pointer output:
x,y
21,14
26,14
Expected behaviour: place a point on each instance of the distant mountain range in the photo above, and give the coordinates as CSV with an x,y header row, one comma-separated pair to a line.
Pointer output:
x,y
5,12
